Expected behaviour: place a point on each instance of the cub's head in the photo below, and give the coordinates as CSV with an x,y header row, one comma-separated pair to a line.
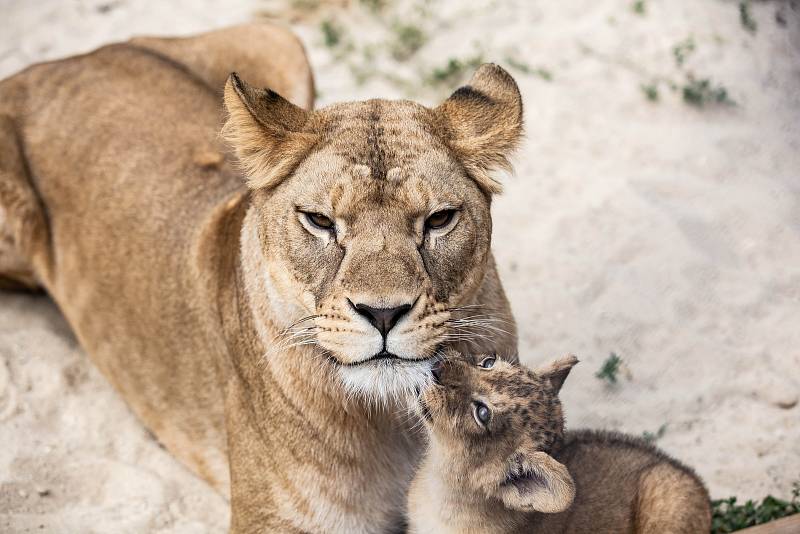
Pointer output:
x,y
493,424
370,221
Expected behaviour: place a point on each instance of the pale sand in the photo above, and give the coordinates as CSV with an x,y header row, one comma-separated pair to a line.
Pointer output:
x,y
667,234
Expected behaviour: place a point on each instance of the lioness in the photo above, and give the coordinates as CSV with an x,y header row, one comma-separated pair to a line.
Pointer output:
x,y
263,318
499,462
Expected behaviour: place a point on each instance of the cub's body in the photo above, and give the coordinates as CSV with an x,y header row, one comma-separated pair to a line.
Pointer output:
x,y
524,474
624,484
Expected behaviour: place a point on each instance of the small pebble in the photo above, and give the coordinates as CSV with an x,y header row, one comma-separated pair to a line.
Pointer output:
x,y
778,391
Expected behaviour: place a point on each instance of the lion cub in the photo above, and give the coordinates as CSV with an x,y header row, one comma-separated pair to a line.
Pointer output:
x,y
499,462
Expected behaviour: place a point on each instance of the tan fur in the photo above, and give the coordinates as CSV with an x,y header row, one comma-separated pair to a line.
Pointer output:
x,y
215,309
523,474
483,126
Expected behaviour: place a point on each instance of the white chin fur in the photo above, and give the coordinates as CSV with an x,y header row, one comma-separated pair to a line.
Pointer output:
x,y
386,380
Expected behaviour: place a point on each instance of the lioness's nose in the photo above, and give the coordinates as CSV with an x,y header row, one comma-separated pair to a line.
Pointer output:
x,y
383,319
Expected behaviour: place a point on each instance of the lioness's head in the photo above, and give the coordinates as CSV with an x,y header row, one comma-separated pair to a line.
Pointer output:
x,y
493,423
373,218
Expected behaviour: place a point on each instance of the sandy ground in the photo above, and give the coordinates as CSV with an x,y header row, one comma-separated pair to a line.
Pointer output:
x,y
660,231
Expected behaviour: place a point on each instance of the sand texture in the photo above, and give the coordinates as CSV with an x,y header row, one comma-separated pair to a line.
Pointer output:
x,y
662,231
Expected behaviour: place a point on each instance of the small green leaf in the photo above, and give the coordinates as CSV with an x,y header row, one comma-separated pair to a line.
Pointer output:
x,y
608,371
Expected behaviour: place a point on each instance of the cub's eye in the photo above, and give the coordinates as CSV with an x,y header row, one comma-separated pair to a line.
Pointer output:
x,y
319,220
481,412
440,219
487,363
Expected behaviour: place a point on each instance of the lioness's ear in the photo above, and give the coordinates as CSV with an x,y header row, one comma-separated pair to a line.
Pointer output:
x,y
557,371
483,123
538,484
266,131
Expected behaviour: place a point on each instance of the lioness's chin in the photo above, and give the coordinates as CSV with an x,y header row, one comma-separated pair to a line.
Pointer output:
x,y
386,380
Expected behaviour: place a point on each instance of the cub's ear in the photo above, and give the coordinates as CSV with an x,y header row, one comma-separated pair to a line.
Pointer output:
x,y
538,483
483,123
557,371
266,131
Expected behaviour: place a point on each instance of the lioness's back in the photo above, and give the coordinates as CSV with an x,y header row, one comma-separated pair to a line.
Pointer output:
x,y
121,145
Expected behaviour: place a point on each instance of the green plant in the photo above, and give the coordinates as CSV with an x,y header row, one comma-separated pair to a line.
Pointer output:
x,y
375,5
524,68
608,371
651,437
728,516
544,74
331,33
305,5
699,92
408,39
639,7
683,50
516,64
452,71
746,18
650,91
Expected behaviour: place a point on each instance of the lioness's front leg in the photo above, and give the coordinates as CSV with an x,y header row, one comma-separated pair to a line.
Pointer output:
x,y
252,506
23,228
304,458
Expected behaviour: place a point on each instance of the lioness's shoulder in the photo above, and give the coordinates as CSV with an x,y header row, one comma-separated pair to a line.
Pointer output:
x,y
269,55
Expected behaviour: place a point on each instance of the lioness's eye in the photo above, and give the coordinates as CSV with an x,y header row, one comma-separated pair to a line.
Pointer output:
x,y
319,220
481,412
440,219
487,363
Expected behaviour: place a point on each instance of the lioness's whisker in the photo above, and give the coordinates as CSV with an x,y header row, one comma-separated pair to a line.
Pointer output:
x,y
481,317
477,324
304,332
299,321
477,329
486,317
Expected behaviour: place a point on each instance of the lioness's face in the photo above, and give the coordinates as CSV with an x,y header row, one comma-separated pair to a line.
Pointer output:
x,y
378,228
383,234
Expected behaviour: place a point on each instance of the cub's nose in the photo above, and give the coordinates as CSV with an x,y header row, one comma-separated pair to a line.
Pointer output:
x,y
383,319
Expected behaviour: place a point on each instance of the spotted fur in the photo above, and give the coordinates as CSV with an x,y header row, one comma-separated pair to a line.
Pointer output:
x,y
521,473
